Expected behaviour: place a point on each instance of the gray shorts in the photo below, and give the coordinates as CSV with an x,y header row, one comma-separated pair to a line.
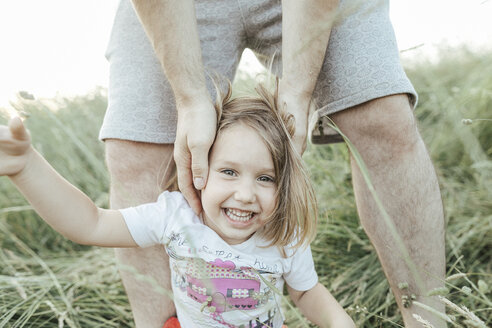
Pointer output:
x,y
362,62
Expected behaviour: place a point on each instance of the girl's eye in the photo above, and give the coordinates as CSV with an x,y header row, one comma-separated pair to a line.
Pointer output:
x,y
266,178
229,172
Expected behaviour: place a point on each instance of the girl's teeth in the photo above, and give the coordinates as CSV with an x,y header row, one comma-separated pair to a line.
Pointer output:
x,y
237,215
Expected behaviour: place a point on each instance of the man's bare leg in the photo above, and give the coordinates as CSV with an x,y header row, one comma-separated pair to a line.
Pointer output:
x,y
137,172
385,133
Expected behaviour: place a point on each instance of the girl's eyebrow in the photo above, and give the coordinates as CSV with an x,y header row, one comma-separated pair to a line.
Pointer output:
x,y
267,170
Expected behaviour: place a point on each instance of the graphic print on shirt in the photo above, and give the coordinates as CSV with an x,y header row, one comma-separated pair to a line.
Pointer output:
x,y
230,289
221,287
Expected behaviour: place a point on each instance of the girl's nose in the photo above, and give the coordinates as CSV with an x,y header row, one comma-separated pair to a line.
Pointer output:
x,y
245,192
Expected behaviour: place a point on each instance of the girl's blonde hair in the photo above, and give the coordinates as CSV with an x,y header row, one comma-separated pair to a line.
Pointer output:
x,y
294,219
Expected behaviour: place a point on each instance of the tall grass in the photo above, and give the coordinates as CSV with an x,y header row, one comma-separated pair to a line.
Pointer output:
x,y
47,281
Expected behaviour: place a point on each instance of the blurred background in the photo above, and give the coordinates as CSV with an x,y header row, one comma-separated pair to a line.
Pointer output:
x,y
56,47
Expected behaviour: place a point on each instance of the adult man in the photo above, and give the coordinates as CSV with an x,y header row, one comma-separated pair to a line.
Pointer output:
x,y
356,78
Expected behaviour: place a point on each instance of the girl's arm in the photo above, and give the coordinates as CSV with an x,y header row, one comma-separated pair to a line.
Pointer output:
x,y
65,208
320,307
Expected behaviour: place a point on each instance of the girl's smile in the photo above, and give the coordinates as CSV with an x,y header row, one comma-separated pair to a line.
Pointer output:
x,y
238,216
240,194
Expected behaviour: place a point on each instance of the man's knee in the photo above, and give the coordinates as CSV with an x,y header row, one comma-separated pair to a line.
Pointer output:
x,y
138,171
382,125
129,160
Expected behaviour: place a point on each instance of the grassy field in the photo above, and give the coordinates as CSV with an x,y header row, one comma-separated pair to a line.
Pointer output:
x,y
47,281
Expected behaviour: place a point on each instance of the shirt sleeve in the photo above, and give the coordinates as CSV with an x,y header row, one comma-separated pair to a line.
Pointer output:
x,y
147,223
302,275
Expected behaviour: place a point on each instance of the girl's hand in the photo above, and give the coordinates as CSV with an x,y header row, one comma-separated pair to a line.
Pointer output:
x,y
15,146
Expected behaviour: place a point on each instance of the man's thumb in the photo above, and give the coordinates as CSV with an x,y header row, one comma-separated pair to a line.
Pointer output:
x,y
199,169
17,129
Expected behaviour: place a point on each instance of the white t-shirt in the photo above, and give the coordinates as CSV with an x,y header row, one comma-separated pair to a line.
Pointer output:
x,y
216,284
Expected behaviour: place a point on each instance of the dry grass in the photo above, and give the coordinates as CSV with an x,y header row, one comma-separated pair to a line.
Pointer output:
x,y
47,281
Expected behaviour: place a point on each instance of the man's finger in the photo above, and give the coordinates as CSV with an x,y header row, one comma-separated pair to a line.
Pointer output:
x,y
182,158
17,129
199,166
188,190
193,199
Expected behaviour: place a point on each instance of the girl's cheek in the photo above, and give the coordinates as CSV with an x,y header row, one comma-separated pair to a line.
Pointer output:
x,y
217,186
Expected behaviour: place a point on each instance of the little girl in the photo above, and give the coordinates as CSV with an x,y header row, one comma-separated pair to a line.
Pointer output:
x,y
230,263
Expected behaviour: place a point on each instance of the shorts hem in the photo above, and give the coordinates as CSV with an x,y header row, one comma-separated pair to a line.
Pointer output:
x,y
362,97
346,103
137,136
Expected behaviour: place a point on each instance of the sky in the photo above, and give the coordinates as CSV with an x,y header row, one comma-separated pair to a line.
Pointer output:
x,y
56,47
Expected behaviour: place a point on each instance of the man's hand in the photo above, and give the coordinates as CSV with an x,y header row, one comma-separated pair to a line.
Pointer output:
x,y
297,105
15,144
197,124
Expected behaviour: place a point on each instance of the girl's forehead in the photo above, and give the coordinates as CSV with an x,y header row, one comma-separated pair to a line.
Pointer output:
x,y
248,127
240,143
237,135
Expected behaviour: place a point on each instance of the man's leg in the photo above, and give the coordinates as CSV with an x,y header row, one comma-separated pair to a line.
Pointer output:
x,y
384,132
138,170
142,107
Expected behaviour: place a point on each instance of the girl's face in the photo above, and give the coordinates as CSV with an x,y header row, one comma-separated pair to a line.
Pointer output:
x,y
240,192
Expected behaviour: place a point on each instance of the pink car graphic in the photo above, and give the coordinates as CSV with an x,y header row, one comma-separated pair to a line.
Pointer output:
x,y
229,289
